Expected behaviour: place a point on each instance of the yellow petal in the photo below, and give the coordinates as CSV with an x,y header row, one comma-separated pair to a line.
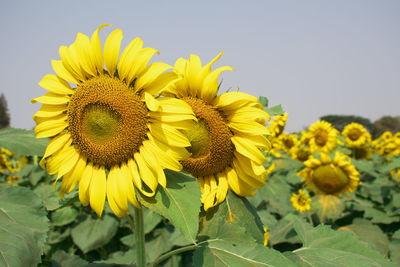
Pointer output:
x,y
165,159
174,105
209,87
242,175
162,83
127,185
71,156
128,56
61,71
151,103
134,173
70,62
111,50
222,188
249,127
50,128
112,191
248,114
168,135
141,60
84,184
84,53
251,168
71,179
97,52
51,99
57,143
238,186
193,69
98,189
150,74
146,175
152,161
57,159
55,84
234,100
50,110
248,150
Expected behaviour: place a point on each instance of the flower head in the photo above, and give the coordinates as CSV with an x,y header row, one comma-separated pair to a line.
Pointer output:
x,y
331,176
108,131
322,136
301,201
227,138
356,135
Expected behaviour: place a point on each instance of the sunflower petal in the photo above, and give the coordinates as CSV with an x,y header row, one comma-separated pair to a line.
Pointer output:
x,y
248,150
84,184
209,88
98,189
50,110
51,99
97,52
50,128
55,84
150,74
146,175
111,51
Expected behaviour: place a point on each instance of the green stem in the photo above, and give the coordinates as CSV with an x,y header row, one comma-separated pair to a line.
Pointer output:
x,y
173,252
139,236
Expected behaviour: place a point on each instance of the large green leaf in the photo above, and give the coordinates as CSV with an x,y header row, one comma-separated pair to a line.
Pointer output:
x,y
323,246
22,142
234,219
61,258
94,233
369,233
64,216
221,253
23,227
179,202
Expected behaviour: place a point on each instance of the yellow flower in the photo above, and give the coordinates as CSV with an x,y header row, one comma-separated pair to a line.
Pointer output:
x,y
110,133
330,176
301,201
266,236
278,124
227,138
356,135
322,136
301,152
11,179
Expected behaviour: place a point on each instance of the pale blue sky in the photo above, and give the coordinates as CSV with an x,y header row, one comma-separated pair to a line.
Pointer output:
x,y
313,57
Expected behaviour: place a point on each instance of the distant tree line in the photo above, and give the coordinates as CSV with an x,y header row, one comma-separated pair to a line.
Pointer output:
x,y
4,115
376,128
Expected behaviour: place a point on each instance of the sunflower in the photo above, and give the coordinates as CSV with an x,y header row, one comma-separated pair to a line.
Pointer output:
x,y
330,176
108,132
227,137
356,135
277,125
301,201
322,136
301,152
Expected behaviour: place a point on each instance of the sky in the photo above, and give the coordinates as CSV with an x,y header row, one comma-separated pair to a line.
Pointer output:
x,y
313,57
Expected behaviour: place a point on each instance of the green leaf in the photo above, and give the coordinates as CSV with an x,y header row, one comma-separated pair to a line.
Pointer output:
x,y
369,233
275,110
234,219
394,247
263,100
22,142
221,253
50,198
61,258
23,227
64,216
179,202
283,231
94,233
323,246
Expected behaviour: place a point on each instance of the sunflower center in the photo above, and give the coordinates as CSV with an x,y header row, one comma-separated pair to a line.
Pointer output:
x,y
288,142
354,134
302,201
107,120
210,137
330,179
321,137
302,155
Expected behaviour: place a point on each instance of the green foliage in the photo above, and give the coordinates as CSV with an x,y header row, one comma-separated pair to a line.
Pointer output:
x,y
340,121
4,114
23,227
387,123
172,203
22,142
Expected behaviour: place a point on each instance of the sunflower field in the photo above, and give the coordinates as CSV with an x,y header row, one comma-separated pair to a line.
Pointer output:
x,y
133,164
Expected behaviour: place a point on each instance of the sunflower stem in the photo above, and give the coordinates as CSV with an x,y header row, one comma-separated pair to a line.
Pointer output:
x,y
172,253
139,236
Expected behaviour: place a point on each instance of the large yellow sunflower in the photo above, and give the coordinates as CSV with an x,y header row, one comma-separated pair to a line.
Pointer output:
x,y
356,135
330,176
322,136
109,132
227,139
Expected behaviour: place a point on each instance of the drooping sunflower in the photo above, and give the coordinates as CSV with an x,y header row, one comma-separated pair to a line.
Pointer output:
x,y
109,132
322,136
330,176
301,201
277,125
356,135
227,139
